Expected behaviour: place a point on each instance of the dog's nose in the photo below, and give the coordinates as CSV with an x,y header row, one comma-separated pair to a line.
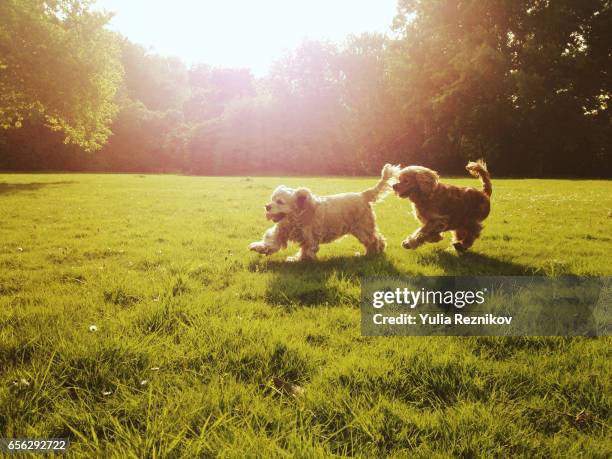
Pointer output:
x,y
395,185
268,207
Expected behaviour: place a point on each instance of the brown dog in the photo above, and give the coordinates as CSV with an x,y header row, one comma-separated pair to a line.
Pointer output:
x,y
440,207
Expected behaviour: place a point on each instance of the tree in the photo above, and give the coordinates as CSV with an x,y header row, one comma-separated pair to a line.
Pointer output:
x,y
307,81
149,133
143,140
213,89
160,83
523,83
371,120
449,70
562,84
59,64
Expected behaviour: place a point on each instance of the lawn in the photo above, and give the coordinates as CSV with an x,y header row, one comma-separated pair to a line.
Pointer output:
x,y
192,328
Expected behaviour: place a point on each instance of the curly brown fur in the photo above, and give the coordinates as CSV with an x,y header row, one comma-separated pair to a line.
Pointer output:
x,y
441,207
310,220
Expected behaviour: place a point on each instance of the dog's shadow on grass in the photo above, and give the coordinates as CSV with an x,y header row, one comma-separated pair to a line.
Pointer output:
x,y
333,281
337,281
474,264
10,188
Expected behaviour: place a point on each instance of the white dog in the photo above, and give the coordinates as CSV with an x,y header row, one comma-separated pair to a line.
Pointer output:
x,y
310,220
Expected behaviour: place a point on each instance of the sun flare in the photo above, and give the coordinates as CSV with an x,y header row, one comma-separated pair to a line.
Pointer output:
x,y
240,33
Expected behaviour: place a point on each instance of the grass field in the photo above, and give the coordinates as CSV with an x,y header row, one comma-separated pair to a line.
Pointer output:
x,y
192,328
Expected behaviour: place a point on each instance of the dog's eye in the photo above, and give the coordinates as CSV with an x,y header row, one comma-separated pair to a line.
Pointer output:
x,y
279,201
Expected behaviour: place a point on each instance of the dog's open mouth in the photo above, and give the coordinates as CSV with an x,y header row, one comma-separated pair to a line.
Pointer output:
x,y
275,217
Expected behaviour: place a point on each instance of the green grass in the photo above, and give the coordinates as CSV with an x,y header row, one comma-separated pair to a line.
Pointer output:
x,y
159,264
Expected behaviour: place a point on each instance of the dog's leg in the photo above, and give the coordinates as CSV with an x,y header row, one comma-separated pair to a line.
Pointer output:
x,y
373,241
306,252
273,240
464,237
378,245
433,237
367,233
296,257
415,240
310,252
459,235
418,238
430,232
308,248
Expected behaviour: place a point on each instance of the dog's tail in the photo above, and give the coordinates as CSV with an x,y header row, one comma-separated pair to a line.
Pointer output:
x,y
380,190
479,169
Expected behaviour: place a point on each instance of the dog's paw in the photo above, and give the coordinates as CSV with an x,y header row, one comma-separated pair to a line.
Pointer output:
x,y
459,247
260,247
408,244
293,259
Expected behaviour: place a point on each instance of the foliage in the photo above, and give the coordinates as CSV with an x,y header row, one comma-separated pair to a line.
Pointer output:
x,y
524,84
213,89
160,83
373,120
151,137
192,327
59,66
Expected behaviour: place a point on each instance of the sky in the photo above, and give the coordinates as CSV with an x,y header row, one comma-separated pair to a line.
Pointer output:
x,y
242,33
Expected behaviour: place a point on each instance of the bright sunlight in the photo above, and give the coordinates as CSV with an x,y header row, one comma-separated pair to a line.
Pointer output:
x,y
242,33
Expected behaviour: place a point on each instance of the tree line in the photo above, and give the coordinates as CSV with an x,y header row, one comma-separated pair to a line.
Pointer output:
x,y
524,84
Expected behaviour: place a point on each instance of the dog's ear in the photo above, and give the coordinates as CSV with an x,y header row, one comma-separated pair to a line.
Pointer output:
x,y
303,198
427,181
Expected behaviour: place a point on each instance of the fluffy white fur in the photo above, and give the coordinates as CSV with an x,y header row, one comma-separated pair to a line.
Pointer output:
x,y
311,220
